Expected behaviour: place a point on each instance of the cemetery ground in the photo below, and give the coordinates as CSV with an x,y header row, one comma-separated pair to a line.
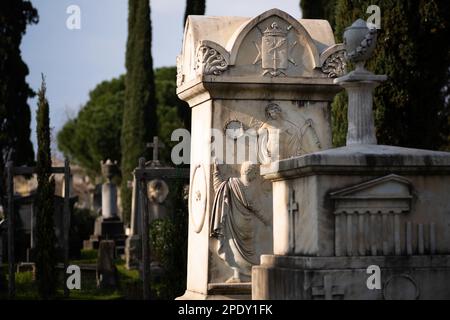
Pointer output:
x,y
129,283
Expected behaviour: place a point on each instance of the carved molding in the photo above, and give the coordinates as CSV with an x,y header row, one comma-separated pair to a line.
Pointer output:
x,y
180,75
369,218
210,61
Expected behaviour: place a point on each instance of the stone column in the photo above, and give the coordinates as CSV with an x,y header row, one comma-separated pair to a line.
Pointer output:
x,y
360,42
360,86
109,200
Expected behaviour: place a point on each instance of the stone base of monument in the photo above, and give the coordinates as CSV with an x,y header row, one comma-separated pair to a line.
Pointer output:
x,y
339,278
222,291
107,229
340,211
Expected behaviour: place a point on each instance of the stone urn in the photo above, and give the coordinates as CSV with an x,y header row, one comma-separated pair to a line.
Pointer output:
x,y
109,169
359,41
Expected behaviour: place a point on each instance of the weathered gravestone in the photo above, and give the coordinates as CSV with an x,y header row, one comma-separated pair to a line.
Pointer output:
x,y
108,225
260,90
150,189
106,269
25,207
338,212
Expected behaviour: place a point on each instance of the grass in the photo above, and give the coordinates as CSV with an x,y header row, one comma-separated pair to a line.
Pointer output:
x,y
130,285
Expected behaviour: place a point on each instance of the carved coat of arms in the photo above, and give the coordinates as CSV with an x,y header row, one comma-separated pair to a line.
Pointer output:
x,y
274,51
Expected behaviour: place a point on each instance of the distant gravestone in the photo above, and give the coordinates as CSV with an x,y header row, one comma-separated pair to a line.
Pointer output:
x,y
97,198
156,199
106,269
108,225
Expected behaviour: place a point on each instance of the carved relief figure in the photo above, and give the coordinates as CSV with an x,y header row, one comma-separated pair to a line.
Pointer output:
x,y
232,220
157,191
280,138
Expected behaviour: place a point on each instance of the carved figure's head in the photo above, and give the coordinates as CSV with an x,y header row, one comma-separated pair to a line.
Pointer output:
x,y
273,111
157,191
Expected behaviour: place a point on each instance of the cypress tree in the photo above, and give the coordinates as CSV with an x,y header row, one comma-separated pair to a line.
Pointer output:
x,y
139,115
194,7
413,50
15,113
318,9
45,239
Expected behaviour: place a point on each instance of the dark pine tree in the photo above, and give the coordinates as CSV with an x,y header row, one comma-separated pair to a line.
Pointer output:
x,y
139,115
45,239
413,50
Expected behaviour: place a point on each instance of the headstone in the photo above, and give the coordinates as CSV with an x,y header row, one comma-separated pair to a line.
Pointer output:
x,y
97,198
360,205
260,91
133,248
106,269
25,207
155,174
108,225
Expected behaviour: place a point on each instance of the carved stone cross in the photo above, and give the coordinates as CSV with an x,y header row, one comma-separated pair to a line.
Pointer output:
x,y
156,145
292,211
328,290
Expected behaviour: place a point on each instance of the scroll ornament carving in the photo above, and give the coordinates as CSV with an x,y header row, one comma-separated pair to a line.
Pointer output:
x,y
210,61
335,65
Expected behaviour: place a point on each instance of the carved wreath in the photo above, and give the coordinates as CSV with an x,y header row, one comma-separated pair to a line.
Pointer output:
x,y
365,45
210,61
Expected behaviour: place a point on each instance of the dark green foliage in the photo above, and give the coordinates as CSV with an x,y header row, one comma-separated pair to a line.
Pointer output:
x,y
45,239
318,9
15,113
168,239
172,112
194,7
139,114
94,134
413,50
81,227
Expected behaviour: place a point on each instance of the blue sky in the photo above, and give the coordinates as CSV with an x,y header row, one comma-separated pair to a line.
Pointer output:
x,y
75,61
